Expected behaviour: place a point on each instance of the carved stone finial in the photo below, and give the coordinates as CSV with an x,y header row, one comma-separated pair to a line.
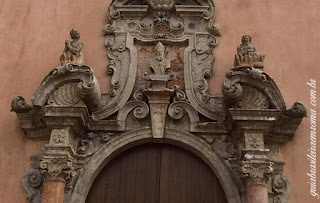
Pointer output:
x,y
72,51
298,110
247,54
32,182
19,105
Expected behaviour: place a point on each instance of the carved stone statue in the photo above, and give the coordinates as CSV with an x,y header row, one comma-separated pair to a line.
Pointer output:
x,y
247,54
72,51
160,65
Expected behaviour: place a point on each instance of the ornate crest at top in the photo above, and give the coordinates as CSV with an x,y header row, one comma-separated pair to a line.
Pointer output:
x,y
139,30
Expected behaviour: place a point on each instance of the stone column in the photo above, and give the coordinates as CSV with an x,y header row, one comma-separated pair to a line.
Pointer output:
x,y
255,167
56,165
256,176
53,191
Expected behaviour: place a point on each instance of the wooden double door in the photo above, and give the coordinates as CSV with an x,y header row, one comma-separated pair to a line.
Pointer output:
x,y
153,173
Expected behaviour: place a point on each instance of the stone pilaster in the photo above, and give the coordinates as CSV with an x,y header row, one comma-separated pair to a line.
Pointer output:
x,y
56,165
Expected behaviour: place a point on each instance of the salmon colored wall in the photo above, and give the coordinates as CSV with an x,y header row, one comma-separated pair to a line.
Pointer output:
x,y
32,35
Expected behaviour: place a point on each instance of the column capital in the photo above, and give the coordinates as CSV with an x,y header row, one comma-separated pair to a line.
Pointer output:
x,y
57,167
256,172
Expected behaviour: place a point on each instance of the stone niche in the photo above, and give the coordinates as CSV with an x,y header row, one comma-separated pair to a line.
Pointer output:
x,y
161,55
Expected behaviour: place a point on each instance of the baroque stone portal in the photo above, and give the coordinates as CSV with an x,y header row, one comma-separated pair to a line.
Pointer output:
x,y
238,134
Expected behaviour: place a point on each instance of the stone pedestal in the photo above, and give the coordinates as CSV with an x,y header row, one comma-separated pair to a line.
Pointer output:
x,y
53,191
158,100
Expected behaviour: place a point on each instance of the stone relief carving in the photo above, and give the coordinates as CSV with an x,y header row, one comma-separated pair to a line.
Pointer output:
x,y
32,182
72,51
250,88
245,126
257,172
281,188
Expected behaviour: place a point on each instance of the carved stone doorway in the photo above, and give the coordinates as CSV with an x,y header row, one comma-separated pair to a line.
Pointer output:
x,y
161,56
156,173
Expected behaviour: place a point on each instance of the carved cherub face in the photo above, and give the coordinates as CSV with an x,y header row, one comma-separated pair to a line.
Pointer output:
x,y
75,34
246,39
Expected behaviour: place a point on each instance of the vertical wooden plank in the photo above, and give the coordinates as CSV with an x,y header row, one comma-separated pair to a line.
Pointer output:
x,y
177,175
113,180
164,174
123,177
140,180
193,181
131,176
151,174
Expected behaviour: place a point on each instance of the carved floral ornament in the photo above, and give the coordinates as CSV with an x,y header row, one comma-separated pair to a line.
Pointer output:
x,y
71,119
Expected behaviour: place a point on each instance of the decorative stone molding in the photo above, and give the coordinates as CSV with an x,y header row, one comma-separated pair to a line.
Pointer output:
x,y
280,188
256,172
56,167
32,182
157,97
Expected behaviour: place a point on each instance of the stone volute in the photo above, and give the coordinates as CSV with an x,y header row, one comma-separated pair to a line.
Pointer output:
x,y
239,133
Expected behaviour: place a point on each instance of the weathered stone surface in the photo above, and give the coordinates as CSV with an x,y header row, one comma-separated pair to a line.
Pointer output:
x,y
32,183
232,133
72,51
247,54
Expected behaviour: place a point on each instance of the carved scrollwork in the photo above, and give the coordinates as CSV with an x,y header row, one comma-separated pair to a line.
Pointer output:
x,y
138,95
32,182
114,13
281,187
19,105
179,94
140,110
92,142
176,111
250,88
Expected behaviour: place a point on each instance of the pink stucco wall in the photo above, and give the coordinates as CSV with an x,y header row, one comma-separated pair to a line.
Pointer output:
x,y
32,35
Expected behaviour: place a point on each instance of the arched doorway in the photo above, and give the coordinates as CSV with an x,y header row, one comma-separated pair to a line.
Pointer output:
x,y
156,173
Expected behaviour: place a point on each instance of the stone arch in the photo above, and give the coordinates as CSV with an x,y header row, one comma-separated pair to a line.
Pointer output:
x,y
142,136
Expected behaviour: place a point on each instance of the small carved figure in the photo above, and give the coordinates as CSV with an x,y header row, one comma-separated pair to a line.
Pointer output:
x,y
19,105
247,54
246,48
72,51
160,65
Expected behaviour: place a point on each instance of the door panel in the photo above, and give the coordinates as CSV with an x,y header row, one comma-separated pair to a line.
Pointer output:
x,y
154,173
